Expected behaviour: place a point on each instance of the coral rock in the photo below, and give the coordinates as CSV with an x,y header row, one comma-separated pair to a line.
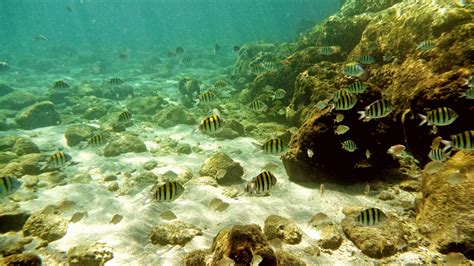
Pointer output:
x,y
89,255
374,241
25,146
124,144
77,133
174,233
446,215
17,100
12,221
283,228
221,161
196,258
285,258
174,115
241,243
49,227
38,115
22,259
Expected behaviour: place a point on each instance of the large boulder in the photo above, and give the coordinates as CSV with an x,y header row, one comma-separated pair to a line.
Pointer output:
x,y
174,115
77,133
38,115
13,221
24,146
446,214
146,105
22,259
49,227
124,144
282,228
222,162
241,243
17,100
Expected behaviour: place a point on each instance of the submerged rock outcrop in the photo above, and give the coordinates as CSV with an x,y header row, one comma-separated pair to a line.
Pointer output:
x,y
38,115
446,214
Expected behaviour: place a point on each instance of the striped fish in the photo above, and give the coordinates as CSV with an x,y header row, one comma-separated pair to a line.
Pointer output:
x,y
258,106
461,141
349,145
442,116
269,65
339,93
125,116
96,140
366,59
426,45
210,124
8,185
57,160
278,94
353,70
168,191
438,154
371,217
257,69
327,50
274,146
60,85
357,87
377,109
115,81
262,183
345,102
220,83
206,97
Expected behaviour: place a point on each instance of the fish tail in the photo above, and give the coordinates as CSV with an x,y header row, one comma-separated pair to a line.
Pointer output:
x,y
448,144
362,114
424,119
42,165
257,145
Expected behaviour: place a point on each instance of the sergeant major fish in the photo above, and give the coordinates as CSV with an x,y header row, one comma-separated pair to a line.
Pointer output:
x,y
262,183
56,160
349,145
438,154
272,146
8,185
115,81
378,109
366,59
353,70
461,141
211,124
345,102
60,85
258,106
357,87
442,116
370,217
278,94
124,116
168,191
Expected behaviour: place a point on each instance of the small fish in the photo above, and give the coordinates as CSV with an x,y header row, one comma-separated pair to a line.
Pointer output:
x,y
341,129
436,142
339,118
168,191
125,116
257,69
220,83
469,94
65,205
40,37
353,70
220,174
442,116
278,94
269,65
68,9
396,150
117,218
388,56
371,217
185,61
270,166
115,81
60,85
4,65
349,145
258,106
438,154
206,97
322,189
367,189
57,160
124,54
179,50
211,124
366,59
368,154
171,54
8,185
345,102
96,140
218,205
236,48
357,87
377,109
363,164
262,183
461,141
168,215
273,146
426,45
76,217
310,153
217,48
327,50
